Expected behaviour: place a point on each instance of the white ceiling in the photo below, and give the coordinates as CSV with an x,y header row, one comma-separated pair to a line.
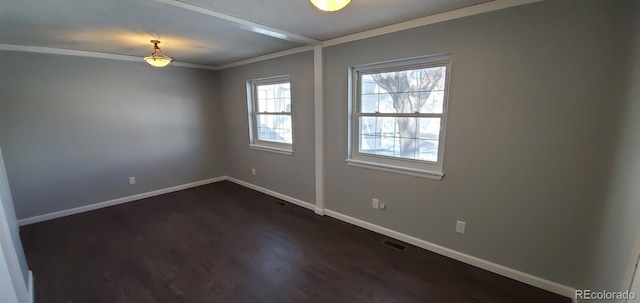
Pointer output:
x,y
125,27
301,17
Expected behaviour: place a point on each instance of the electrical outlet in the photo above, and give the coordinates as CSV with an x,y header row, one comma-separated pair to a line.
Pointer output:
x,y
383,206
375,203
460,226
253,171
132,180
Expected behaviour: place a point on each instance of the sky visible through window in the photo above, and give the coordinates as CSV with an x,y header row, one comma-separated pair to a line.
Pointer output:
x,y
400,113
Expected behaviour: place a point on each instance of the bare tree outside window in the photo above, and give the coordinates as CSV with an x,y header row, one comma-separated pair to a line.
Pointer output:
x,y
401,112
398,115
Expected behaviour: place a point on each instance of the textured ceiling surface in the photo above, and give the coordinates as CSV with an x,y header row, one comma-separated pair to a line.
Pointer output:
x,y
125,26
301,17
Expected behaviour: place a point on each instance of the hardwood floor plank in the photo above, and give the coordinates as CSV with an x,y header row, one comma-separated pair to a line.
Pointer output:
x,y
226,243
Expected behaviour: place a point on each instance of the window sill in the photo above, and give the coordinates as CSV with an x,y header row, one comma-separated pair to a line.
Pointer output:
x,y
271,149
429,174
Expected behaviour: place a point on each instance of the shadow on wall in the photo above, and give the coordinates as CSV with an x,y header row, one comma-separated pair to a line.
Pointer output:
x,y
81,126
618,243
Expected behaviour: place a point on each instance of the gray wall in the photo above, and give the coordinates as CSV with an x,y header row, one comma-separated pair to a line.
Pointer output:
x,y
621,214
289,175
535,95
74,129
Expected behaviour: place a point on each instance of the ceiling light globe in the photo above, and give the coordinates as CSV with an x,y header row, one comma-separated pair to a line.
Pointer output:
x,y
158,58
330,5
157,62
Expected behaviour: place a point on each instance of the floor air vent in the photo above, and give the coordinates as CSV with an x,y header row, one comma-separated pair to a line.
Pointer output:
x,y
395,245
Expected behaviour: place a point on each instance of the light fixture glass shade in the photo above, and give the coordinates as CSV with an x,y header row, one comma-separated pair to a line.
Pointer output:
x,y
157,62
158,58
330,5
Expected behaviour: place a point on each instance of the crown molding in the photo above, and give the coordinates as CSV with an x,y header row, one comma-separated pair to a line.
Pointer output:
x,y
254,27
279,54
66,52
193,65
89,54
432,19
245,24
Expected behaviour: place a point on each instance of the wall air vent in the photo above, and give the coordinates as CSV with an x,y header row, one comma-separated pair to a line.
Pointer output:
x,y
393,244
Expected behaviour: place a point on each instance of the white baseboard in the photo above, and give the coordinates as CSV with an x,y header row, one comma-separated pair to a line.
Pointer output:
x,y
90,207
31,296
272,193
541,283
456,255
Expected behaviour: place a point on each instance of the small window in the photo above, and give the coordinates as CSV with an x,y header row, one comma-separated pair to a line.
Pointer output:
x,y
269,104
398,115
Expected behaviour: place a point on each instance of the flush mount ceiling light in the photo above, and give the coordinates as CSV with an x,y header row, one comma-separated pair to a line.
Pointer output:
x,y
330,5
158,58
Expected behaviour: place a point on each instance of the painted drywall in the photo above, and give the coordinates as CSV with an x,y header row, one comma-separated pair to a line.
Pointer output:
x,y
292,175
534,92
73,130
14,271
619,236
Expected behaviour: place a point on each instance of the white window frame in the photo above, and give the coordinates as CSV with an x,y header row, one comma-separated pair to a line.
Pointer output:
x,y
419,168
252,106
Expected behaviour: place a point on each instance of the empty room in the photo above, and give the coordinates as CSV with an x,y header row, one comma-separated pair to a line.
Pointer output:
x,y
433,151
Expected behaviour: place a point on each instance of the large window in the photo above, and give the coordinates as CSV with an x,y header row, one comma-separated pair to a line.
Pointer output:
x,y
398,115
269,103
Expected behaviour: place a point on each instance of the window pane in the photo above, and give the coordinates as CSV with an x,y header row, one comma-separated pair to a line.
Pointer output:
x,y
432,83
274,98
428,150
401,111
388,145
429,137
429,128
409,91
367,125
385,126
407,148
408,134
369,103
402,137
275,128
432,102
386,102
404,103
369,144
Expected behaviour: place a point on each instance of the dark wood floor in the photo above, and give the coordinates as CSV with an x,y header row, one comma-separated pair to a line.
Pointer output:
x,y
225,243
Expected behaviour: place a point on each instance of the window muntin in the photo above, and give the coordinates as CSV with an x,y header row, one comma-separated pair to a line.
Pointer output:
x,y
383,136
270,112
399,113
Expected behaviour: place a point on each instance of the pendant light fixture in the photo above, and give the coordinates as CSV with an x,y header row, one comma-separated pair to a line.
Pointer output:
x,y
330,5
158,58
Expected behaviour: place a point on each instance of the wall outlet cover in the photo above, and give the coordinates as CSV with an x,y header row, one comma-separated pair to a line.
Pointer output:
x,y
460,227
